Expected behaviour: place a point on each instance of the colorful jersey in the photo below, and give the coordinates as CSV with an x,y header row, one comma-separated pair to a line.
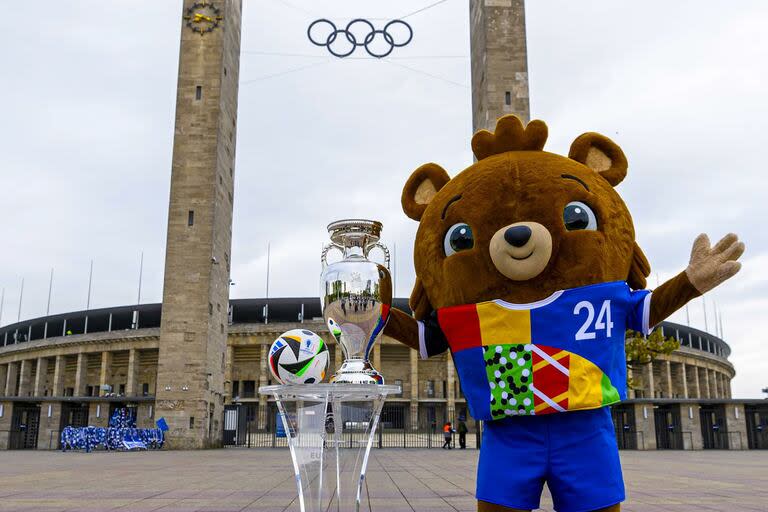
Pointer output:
x,y
563,353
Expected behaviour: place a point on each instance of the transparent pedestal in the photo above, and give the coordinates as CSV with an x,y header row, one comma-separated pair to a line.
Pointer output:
x,y
330,429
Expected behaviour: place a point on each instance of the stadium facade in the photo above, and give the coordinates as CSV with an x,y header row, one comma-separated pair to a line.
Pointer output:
x,y
76,368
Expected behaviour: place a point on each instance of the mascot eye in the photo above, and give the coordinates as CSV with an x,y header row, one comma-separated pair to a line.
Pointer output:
x,y
458,238
578,215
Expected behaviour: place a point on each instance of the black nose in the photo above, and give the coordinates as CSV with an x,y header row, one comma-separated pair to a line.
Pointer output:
x,y
518,235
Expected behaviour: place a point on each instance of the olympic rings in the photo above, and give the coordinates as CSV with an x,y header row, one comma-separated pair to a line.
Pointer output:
x,y
333,33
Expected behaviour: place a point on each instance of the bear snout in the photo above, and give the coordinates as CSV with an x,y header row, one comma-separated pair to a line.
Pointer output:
x,y
521,251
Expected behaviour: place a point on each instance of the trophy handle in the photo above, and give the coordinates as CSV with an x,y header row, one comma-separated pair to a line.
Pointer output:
x,y
326,249
383,249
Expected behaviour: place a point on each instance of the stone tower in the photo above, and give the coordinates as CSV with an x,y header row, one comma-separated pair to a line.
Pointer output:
x,y
193,332
499,61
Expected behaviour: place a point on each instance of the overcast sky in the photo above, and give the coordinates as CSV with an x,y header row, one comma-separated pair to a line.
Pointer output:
x,y
89,91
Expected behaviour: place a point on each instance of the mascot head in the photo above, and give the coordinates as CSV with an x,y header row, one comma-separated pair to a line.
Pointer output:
x,y
521,223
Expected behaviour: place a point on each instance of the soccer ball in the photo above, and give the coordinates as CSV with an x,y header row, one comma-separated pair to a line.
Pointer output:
x,y
299,356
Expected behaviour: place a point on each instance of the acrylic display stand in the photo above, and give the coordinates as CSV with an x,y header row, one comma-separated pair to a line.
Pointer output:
x,y
330,429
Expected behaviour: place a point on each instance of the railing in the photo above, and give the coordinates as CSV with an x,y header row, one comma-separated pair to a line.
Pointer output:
x,y
254,437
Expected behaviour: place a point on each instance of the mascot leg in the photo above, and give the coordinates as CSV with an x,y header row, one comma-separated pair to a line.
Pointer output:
x,y
484,506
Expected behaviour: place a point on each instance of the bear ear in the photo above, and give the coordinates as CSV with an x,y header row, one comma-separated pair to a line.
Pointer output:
x,y
421,188
600,154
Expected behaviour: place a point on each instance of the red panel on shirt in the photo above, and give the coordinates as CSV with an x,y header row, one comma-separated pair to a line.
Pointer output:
x,y
549,380
461,326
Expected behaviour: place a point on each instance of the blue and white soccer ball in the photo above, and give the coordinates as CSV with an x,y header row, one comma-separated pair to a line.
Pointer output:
x,y
299,356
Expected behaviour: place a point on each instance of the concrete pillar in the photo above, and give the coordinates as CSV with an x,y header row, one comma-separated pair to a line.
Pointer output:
x,y
630,388
649,384
5,422
736,421
645,426
132,382
697,382
48,436
684,379
3,378
81,374
10,379
105,375
690,425
40,376
450,378
713,384
716,382
58,376
668,378
196,285
263,372
98,414
228,362
707,389
414,389
25,382
499,61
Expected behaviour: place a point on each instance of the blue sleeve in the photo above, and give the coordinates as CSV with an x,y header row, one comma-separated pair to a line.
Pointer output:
x,y
639,310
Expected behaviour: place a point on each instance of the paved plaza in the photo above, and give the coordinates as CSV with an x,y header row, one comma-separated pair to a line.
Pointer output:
x,y
398,480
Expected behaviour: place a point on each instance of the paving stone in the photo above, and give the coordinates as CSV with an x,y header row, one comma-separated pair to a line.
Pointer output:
x,y
398,481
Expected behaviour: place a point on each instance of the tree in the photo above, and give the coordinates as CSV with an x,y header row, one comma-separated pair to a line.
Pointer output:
x,y
642,350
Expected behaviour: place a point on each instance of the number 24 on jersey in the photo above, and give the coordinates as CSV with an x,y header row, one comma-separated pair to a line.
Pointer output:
x,y
588,330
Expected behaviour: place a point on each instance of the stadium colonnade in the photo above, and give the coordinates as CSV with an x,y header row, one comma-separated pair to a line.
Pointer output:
x,y
77,368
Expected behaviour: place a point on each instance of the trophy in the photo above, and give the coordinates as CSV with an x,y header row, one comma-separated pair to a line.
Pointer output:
x,y
330,427
356,294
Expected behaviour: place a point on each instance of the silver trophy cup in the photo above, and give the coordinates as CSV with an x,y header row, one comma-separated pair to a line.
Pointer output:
x,y
356,295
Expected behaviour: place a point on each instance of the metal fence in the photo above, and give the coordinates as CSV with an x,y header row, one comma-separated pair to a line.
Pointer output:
x,y
268,437
245,427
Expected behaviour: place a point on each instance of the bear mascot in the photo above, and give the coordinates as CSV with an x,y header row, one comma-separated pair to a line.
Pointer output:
x,y
528,272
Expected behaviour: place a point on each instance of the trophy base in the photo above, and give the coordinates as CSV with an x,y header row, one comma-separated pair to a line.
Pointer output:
x,y
357,371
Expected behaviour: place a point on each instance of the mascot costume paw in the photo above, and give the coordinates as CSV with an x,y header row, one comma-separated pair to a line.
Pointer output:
x,y
527,270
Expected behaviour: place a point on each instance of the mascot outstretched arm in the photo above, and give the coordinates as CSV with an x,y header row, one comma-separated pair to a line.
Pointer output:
x,y
528,272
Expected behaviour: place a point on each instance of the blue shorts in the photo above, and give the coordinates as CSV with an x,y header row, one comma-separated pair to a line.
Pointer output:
x,y
575,453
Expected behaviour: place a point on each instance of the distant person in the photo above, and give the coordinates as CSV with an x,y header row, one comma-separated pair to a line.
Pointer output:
x,y
448,434
462,434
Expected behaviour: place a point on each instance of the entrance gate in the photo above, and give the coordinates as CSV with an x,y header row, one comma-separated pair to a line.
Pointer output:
x,y
714,429
25,424
668,432
72,415
757,426
624,426
234,426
